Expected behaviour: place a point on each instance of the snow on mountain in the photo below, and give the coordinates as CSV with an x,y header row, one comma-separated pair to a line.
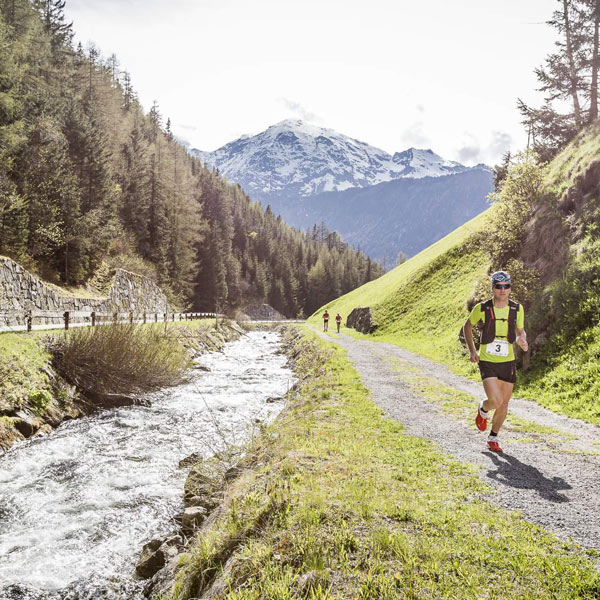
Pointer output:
x,y
294,158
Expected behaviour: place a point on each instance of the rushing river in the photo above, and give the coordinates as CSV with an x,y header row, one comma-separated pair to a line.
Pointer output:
x,y
77,506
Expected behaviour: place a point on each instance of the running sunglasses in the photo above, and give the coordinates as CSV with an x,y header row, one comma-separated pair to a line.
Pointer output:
x,y
502,286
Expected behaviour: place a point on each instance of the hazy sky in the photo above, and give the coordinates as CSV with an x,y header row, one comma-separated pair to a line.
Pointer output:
x,y
440,74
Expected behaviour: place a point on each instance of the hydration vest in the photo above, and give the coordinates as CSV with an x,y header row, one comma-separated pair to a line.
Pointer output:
x,y
488,331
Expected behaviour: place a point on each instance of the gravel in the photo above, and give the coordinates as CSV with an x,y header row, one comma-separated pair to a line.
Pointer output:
x,y
554,480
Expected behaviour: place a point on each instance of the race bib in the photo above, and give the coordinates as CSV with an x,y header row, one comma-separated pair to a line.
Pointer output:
x,y
497,348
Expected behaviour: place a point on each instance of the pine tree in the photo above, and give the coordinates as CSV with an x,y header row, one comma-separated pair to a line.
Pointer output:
x,y
59,31
569,74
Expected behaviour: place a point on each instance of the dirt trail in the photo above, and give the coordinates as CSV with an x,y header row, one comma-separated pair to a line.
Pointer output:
x,y
550,467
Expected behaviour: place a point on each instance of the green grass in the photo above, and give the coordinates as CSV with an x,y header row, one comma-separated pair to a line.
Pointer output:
x,y
338,502
568,380
23,364
573,161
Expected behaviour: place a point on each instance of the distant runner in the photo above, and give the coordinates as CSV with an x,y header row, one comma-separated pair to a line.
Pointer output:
x,y
503,324
338,320
325,320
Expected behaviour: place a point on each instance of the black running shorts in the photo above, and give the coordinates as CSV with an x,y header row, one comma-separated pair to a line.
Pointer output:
x,y
505,371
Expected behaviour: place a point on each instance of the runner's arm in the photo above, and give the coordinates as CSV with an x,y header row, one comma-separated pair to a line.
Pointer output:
x,y
522,339
468,333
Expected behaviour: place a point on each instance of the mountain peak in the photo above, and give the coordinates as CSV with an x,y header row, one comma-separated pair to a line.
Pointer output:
x,y
294,158
289,123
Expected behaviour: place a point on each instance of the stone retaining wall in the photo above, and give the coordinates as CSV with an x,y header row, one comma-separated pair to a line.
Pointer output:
x,y
21,292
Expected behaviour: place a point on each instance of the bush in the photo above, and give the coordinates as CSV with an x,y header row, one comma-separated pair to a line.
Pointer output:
x,y
121,359
520,189
39,400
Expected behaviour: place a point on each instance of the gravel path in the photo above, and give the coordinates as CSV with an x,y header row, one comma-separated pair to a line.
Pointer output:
x,y
553,478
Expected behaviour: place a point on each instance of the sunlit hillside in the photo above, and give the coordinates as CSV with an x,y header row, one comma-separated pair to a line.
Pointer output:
x,y
380,290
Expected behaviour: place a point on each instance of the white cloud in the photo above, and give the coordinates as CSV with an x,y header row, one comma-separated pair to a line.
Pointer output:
x,y
414,136
469,154
300,111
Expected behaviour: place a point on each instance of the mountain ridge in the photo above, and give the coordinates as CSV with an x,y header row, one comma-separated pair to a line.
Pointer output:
x,y
294,158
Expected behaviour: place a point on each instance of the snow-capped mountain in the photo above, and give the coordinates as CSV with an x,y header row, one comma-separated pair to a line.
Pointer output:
x,y
383,203
294,158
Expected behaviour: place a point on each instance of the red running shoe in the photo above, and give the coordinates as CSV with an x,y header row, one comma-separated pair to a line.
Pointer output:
x,y
480,421
493,445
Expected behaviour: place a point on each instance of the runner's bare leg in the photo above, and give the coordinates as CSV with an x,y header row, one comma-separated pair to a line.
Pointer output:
x,y
494,393
502,410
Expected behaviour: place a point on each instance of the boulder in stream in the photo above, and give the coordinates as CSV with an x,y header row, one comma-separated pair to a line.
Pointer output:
x,y
155,555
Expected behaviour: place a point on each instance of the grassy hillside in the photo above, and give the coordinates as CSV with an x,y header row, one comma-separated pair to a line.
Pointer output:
x,y
553,249
376,292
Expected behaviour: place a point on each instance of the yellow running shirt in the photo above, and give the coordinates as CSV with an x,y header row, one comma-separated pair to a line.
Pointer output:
x,y
501,331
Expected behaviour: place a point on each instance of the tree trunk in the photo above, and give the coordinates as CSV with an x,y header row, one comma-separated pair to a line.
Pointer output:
x,y
572,73
595,64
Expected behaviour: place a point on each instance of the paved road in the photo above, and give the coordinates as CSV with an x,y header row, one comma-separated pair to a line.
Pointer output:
x,y
552,476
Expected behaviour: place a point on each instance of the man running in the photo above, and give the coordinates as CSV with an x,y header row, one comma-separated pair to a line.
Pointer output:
x,y
338,321
325,320
503,324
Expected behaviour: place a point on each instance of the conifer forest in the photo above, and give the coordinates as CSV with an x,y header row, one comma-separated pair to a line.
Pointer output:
x,y
90,182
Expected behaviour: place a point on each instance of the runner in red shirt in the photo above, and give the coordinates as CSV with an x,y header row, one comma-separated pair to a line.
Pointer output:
x,y
325,320
338,320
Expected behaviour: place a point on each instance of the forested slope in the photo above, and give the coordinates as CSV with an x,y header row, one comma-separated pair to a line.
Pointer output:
x,y
544,228
86,178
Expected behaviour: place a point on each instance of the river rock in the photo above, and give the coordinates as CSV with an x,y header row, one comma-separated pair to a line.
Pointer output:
x,y
103,400
193,517
200,501
273,399
45,429
151,559
200,484
156,553
190,460
233,473
24,426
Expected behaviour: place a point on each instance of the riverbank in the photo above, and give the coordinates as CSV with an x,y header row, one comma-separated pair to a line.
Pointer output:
x,y
334,500
78,505
34,398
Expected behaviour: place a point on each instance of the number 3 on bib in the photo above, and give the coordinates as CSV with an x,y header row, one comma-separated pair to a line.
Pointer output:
x,y
497,348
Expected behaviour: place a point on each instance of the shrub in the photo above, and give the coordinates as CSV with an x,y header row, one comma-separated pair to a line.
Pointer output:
x,y
39,400
121,358
522,187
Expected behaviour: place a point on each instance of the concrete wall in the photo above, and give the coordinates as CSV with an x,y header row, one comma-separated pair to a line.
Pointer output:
x,y
21,292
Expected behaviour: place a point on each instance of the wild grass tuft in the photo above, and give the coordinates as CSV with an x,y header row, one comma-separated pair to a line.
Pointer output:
x,y
121,358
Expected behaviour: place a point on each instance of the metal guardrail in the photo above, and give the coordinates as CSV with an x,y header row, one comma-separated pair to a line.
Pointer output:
x,y
277,321
93,318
